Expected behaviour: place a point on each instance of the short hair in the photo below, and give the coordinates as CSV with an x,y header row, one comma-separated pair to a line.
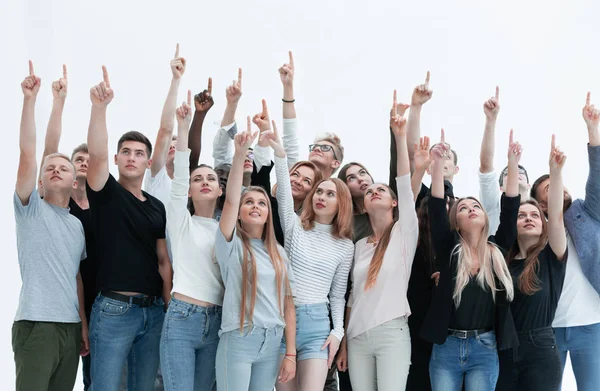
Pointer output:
x,y
81,148
60,155
451,150
337,144
135,136
505,171
536,185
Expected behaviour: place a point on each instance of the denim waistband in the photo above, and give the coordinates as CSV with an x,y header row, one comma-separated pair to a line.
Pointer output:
x,y
210,310
312,307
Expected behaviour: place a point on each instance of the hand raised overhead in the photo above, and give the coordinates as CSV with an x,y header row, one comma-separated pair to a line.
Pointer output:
x,y
102,94
591,115
286,72
422,93
398,108
441,151
244,140
233,93
177,64
272,138
59,87
31,84
184,112
514,149
422,158
262,119
491,107
203,101
557,157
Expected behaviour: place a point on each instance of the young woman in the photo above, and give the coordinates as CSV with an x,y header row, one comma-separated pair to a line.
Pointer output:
x,y
190,330
470,312
358,179
320,248
258,304
537,262
378,339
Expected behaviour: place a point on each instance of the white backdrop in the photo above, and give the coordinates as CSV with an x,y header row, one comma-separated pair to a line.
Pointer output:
x,y
349,55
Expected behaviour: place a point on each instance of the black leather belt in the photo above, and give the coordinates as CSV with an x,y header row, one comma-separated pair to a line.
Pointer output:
x,y
464,334
144,301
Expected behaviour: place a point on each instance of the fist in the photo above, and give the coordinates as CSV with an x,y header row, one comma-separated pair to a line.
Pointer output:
x,y
286,72
204,100
492,106
177,64
59,87
102,94
31,84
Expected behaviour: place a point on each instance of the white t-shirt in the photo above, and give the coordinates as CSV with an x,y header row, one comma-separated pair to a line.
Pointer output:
x,y
579,303
490,195
159,186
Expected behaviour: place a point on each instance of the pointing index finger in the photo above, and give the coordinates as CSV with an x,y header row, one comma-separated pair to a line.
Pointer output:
x,y
64,71
176,51
210,85
105,76
587,98
497,93
265,112
240,76
553,145
427,80
291,58
31,73
189,97
248,124
511,137
443,137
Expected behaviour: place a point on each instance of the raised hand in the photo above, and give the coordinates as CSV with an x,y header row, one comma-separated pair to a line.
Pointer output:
x,y
262,119
514,149
491,107
233,93
204,100
441,151
244,140
557,157
102,94
177,65
272,138
422,158
422,93
398,125
184,112
286,72
398,108
591,115
31,84
59,87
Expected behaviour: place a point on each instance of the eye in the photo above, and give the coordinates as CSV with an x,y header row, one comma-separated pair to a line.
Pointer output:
x,y
381,190
139,153
536,216
248,202
477,206
362,172
319,191
350,179
125,152
368,192
212,179
330,194
307,181
462,208
294,174
522,216
262,203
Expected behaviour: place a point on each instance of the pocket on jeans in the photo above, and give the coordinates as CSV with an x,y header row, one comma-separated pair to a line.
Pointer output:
x,y
543,340
319,314
114,308
488,340
591,328
177,312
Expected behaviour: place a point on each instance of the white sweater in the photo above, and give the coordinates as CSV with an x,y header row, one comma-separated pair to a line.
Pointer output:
x,y
196,273
320,261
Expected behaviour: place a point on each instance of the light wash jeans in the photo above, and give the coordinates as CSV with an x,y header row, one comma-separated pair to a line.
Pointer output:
x,y
249,360
188,346
583,345
118,332
379,358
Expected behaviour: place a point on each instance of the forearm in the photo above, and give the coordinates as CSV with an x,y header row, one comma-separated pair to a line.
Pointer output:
x,y
54,130
229,114
195,137
234,181
402,163
289,109
182,138
555,196
27,136
166,272
81,300
167,118
594,136
290,325
415,183
98,133
488,145
413,129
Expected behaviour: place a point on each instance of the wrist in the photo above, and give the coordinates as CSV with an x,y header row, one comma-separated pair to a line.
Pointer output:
x,y
288,92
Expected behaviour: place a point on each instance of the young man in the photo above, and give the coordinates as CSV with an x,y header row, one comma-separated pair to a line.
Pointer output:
x,y
135,275
50,329
577,320
489,191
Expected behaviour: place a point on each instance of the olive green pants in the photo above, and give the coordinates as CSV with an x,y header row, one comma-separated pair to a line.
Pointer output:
x,y
46,355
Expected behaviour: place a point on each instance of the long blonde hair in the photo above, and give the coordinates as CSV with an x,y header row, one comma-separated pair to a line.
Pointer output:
x,y
491,261
249,273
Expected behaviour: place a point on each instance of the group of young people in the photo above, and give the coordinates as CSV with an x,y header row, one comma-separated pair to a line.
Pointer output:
x,y
226,282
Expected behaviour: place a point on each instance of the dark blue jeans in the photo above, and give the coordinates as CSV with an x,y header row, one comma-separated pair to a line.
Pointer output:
x,y
121,332
583,345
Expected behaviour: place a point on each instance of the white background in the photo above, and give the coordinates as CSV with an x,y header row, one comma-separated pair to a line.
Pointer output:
x,y
350,56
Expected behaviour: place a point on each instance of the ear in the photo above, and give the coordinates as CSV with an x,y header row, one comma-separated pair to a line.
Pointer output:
x,y
394,203
75,184
456,169
40,184
543,206
220,192
335,164
115,159
149,163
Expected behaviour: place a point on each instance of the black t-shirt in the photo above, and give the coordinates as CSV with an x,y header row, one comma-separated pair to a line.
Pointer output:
x,y
535,311
88,267
126,230
476,310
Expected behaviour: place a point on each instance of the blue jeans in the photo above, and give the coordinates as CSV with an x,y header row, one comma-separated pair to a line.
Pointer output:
x,y
583,345
188,346
473,360
312,330
248,360
118,332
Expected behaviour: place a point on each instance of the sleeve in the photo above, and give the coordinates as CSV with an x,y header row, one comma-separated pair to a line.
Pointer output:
x,y
291,144
263,156
177,206
31,209
223,144
441,236
84,250
394,163
155,185
225,251
592,187
489,195
285,201
506,235
161,233
104,195
290,273
337,293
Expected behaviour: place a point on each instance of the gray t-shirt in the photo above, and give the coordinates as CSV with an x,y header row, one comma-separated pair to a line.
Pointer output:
x,y
267,313
50,245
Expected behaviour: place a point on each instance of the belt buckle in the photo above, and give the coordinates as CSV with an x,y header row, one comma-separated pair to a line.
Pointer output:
x,y
146,301
462,334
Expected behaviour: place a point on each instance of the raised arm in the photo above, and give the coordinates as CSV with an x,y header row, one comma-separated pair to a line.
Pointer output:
x,y
101,95
591,115
203,102
422,160
486,155
222,143
556,227
398,109
290,123
420,96
26,174
263,154
242,141
514,156
167,119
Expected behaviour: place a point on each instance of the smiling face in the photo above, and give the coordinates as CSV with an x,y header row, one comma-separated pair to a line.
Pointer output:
x,y
204,185
529,221
379,197
132,159
325,202
254,209
470,215
358,180
58,175
302,179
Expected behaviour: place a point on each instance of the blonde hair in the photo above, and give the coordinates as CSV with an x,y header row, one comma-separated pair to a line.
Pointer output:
x,y
491,261
60,155
337,144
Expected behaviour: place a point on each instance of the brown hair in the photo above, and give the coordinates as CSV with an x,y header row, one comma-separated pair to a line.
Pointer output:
x,y
343,220
529,283
249,273
135,136
382,245
534,188
304,163
190,204
337,144
342,175
81,148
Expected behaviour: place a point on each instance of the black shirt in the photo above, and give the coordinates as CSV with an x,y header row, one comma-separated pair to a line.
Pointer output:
x,y
126,230
88,267
536,311
476,309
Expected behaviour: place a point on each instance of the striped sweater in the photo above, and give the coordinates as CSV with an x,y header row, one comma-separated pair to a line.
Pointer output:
x,y
320,261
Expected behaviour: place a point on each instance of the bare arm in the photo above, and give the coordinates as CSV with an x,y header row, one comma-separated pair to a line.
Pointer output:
x,y
164,269
420,96
184,114
512,178
557,238
101,95
85,341
26,174
486,155
439,153
286,74
421,161
233,93
591,115
203,102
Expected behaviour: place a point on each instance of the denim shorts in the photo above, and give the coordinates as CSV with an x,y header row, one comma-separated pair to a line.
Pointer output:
x,y
312,329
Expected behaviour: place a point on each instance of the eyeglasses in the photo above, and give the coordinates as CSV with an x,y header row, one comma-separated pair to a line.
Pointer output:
x,y
323,148
250,156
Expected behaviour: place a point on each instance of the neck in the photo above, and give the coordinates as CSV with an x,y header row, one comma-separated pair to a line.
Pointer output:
x,y
254,231
58,199
325,220
79,194
380,221
246,181
326,171
524,191
359,202
449,178
472,239
134,186
525,244
170,167
205,209
298,204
